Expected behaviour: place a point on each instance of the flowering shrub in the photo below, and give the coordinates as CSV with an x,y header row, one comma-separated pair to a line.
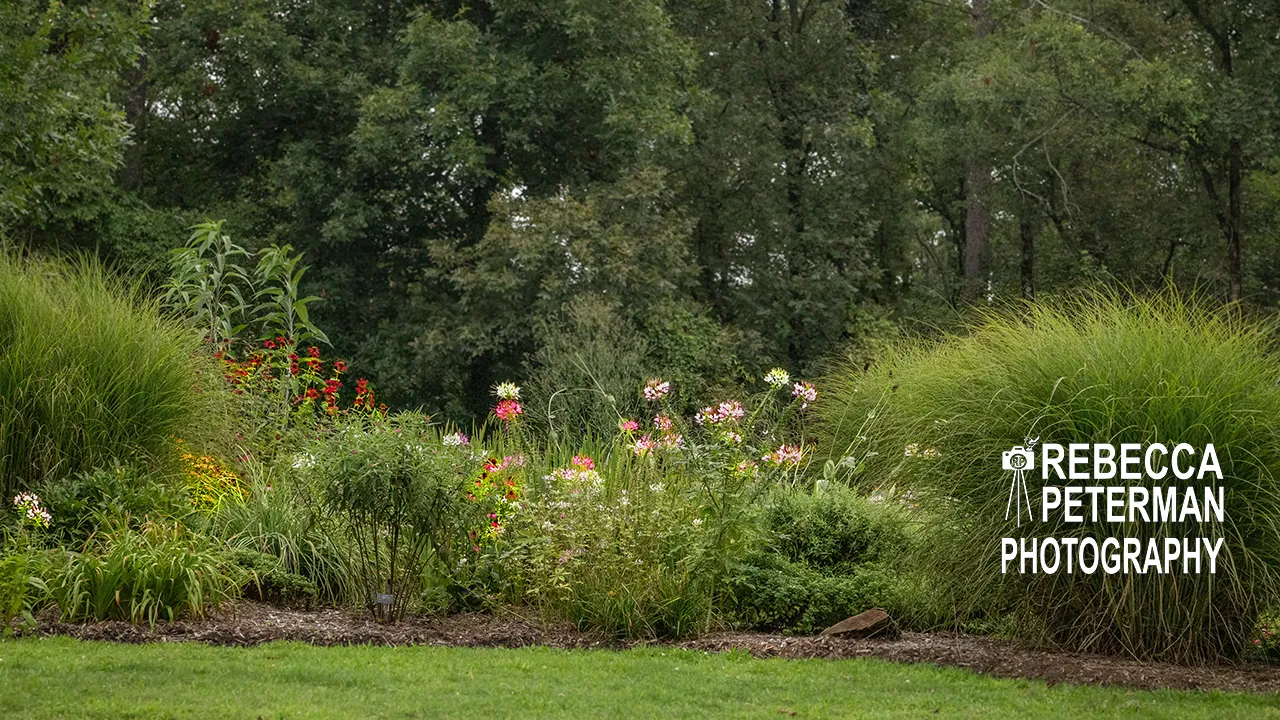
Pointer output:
x,y
403,500
635,542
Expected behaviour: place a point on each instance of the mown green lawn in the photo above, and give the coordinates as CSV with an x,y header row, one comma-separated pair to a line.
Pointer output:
x,y
60,678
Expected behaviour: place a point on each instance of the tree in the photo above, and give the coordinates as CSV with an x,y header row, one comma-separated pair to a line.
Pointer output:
x,y
62,133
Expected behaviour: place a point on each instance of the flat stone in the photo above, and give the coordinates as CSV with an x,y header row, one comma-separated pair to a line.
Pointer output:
x,y
864,625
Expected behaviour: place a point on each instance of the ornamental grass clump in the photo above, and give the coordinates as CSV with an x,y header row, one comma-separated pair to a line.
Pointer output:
x,y
90,373
935,417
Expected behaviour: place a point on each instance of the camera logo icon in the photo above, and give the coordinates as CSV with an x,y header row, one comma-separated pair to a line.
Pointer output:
x,y
1018,458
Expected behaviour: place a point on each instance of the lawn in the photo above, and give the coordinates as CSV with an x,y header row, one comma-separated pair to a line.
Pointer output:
x,y
67,678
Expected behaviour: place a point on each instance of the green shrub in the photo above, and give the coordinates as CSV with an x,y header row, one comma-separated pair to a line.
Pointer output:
x,y
825,556
835,530
156,572
399,497
90,373
769,593
935,417
87,500
268,581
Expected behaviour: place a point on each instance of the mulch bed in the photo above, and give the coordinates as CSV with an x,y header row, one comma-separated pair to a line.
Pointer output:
x,y
247,623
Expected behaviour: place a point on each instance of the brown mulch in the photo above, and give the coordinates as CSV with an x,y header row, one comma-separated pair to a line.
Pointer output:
x,y
247,623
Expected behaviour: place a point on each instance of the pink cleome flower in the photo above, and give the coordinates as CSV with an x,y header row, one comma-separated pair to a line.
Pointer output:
x,y
656,389
789,455
727,410
508,410
628,425
643,446
805,392
583,462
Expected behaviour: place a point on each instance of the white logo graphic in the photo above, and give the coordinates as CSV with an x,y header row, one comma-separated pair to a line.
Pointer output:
x,y
1019,460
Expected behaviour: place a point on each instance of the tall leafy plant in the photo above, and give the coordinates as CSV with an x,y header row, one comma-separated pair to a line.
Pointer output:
x,y
281,312
209,283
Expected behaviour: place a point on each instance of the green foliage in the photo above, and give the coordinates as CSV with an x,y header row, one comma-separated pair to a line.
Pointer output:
x,y
152,573
90,373
209,284
824,556
63,136
1099,369
86,501
770,593
21,588
835,530
397,494
584,375
282,312
270,582
279,517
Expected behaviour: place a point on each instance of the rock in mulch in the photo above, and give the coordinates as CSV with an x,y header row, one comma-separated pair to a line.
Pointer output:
x,y
872,623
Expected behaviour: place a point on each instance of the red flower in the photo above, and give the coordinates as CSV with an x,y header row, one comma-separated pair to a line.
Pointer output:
x,y
313,351
312,393
270,345
339,367
280,341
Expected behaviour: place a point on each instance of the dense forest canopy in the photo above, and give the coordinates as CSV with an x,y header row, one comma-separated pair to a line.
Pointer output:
x,y
708,185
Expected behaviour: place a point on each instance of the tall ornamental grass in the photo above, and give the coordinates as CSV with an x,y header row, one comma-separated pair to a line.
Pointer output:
x,y
934,417
89,372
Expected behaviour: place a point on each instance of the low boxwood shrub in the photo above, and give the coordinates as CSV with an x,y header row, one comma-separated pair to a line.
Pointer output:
x,y
825,556
770,593
835,530
269,582
935,417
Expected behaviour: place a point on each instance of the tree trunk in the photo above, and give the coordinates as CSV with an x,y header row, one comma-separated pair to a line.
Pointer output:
x,y
136,112
1235,170
977,224
1027,231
